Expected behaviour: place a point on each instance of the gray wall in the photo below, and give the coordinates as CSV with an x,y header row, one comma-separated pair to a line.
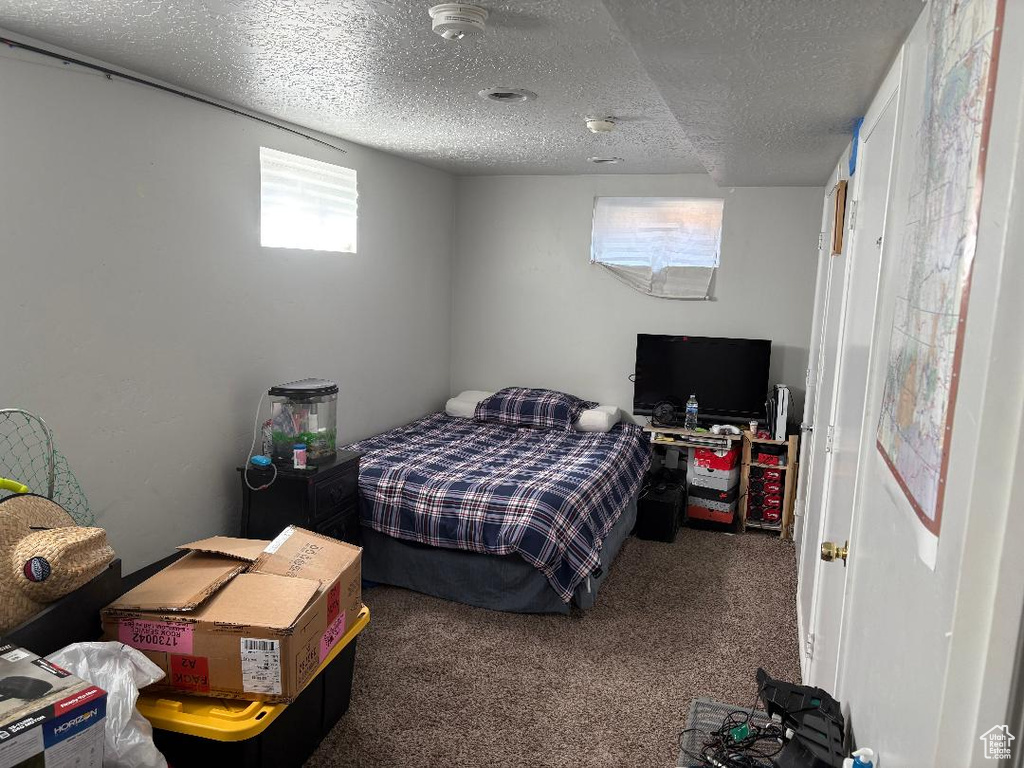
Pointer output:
x,y
142,319
530,310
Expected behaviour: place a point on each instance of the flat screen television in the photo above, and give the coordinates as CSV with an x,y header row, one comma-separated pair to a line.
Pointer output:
x,y
728,376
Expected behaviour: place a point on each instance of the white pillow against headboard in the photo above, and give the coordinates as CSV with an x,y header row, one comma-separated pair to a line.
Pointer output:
x,y
599,419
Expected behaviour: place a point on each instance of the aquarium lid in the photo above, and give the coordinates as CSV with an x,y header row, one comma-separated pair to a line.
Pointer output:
x,y
298,390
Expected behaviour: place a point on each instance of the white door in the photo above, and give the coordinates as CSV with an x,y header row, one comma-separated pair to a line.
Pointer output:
x,y
811,385
813,458
846,420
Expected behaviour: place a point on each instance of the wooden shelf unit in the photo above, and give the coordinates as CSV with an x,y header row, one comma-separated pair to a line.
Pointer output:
x,y
688,438
791,468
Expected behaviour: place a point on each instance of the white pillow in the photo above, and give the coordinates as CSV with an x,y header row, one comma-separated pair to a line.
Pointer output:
x,y
463,405
599,419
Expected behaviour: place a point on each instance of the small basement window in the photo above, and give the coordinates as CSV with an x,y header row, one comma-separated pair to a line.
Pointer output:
x,y
306,204
662,246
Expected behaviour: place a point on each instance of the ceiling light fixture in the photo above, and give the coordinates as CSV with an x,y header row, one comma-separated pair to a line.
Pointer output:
x,y
600,124
454,21
507,95
604,160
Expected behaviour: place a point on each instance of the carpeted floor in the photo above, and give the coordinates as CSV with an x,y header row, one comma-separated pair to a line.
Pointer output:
x,y
443,684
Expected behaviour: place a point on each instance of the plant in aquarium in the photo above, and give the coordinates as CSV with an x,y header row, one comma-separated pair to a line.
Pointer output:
x,y
321,443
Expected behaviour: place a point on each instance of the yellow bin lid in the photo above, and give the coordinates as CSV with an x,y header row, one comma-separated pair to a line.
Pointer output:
x,y
226,719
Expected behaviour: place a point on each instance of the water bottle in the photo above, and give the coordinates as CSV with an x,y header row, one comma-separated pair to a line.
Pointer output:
x,y
690,422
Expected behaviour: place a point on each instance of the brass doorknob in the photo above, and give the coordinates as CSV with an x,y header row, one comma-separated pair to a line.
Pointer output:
x,y
831,551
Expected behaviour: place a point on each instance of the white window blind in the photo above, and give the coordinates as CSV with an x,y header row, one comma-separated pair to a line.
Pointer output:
x,y
306,204
661,246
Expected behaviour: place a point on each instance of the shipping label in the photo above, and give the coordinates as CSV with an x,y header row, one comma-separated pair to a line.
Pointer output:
x,y
172,637
16,655
279,540
334,632
261,665
333,602
190,673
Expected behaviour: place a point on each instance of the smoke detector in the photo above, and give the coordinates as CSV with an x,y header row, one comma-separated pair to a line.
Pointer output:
x,y
600,124
453,21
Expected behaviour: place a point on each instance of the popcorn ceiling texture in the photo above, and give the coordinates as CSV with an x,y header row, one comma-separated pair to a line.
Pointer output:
x,y
756,92
767,90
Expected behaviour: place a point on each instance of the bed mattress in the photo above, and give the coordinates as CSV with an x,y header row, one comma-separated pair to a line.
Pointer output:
x,y
548,496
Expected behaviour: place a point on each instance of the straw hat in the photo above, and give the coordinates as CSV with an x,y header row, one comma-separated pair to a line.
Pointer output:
x,y
44,555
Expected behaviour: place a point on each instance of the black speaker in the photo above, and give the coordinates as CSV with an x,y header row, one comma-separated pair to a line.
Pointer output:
x,y
660,512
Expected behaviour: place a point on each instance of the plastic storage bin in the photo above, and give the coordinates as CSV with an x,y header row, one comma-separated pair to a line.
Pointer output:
x,y
304,412
200,731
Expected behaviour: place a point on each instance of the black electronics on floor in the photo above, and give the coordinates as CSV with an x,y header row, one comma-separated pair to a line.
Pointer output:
x,y
800,727
813,717
660,511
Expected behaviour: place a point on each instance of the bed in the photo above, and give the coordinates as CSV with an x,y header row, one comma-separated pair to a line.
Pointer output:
x,y
503,517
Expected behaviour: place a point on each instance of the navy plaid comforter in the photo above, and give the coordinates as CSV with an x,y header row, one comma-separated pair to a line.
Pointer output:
x,y
549,495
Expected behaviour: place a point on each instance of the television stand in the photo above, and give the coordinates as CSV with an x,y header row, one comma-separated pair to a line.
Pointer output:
x,y
785,468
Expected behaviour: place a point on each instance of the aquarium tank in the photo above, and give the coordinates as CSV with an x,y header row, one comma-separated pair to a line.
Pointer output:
x,y
306,412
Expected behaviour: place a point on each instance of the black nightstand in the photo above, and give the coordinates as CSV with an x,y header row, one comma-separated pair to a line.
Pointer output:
x,y
322,498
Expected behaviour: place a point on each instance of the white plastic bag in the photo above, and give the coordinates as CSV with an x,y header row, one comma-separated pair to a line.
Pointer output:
x,y
121,671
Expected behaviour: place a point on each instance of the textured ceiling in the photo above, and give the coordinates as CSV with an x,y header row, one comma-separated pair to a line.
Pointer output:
x,y
766,91
754,91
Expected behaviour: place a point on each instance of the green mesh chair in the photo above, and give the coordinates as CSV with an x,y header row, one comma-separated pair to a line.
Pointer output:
x,y
31,463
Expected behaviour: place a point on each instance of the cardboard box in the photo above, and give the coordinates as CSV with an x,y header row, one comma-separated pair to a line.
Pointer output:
x,y
697,493
704,511
717,479
243,618
706,457
47,715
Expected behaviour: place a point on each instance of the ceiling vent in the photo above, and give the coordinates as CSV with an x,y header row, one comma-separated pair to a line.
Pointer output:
x,y
454,21
507,95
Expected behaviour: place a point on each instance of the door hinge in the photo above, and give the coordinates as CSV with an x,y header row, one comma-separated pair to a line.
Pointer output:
x,y
853,215
829,437
809,645
821,240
